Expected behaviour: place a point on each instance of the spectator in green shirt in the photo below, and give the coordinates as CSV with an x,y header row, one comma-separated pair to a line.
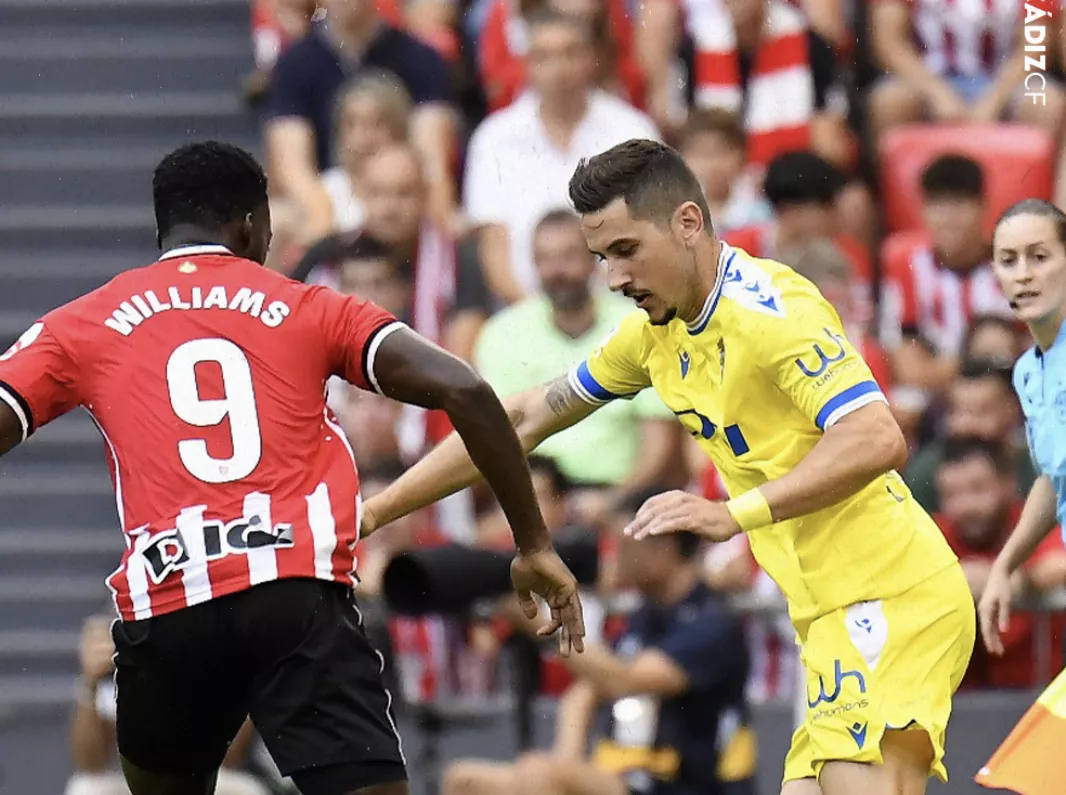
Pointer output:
x,y
626,445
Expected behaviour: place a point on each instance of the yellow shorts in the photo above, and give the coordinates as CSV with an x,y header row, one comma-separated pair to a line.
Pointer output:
x,y
879,665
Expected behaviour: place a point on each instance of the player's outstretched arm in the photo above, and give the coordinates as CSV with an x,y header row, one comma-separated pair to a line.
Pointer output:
x,y
476,413
410,369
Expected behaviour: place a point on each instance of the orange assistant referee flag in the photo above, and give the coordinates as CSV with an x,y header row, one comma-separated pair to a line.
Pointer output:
x,y
1029,761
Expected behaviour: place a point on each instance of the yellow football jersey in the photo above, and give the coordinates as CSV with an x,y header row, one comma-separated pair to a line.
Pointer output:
x,y
759,375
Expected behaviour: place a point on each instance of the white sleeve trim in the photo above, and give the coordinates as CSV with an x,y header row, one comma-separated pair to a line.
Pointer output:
x,y
854,405
372,351
580,391
13,402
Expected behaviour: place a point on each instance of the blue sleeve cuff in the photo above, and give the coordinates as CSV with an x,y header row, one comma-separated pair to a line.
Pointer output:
x,y
588,388
852,398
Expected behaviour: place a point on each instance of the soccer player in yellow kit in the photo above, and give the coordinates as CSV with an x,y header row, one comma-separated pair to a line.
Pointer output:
x,y
755,364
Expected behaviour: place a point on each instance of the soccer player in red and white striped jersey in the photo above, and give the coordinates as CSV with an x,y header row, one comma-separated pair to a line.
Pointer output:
x,y
237,491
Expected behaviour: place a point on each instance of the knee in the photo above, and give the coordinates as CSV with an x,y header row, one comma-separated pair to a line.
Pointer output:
x,y
894,102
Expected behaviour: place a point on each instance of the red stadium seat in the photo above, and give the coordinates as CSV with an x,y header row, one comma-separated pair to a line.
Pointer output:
x,y
1018,162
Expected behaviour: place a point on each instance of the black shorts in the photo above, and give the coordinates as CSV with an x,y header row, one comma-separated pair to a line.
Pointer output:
x,y
292,654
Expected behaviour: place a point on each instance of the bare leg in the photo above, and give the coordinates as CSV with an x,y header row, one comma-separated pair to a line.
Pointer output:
x,y
907,758
542,774
891,103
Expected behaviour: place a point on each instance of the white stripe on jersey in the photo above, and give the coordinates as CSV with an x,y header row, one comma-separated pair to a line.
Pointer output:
x,y
262,561
323,530
194,577
137,576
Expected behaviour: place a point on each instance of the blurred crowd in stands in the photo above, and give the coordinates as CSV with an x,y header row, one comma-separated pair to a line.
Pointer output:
x,y
419,153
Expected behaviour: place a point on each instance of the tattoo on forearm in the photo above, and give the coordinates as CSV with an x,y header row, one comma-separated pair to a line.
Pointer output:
x,y
560,396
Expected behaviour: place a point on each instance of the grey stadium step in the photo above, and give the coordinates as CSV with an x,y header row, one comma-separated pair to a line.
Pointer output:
x,y
85,227
124,15
32,65
38,652
18,692
44,282
77,443
123,119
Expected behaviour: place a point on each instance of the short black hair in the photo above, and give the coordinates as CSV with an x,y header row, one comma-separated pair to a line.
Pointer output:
x,y
977,369
206,184
364,247
961,448
688,544
543,465
802,178
650,176
953,176
982,321
1040,208
546,15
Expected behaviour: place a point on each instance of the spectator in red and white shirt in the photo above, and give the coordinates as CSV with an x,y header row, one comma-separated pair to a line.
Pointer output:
x,y
504,41
979,508
933,293
758,58
957,61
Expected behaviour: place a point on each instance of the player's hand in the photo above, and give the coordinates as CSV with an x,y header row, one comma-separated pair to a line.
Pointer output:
x,y
993,609
675,511
543,573
95,650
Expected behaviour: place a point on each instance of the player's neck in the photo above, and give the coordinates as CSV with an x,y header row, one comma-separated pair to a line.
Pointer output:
x,y
708,261
675,588
1046,330
181,236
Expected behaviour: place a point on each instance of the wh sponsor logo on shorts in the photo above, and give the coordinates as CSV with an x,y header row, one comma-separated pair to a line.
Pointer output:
x,y
168,551
839,676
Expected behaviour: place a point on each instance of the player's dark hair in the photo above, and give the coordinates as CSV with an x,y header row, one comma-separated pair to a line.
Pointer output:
x,y
560,483
688,544
953,176
802,178
206,184
962,448
1039,208
649,176
712,121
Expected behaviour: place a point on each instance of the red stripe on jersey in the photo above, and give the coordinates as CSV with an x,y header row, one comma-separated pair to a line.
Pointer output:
x,y
787,52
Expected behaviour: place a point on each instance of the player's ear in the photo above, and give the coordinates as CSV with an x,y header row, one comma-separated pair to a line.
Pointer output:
x,y
688,220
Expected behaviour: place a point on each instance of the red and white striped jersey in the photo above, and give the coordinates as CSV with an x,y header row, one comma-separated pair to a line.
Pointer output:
x,y
970,38
924,299
206,375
